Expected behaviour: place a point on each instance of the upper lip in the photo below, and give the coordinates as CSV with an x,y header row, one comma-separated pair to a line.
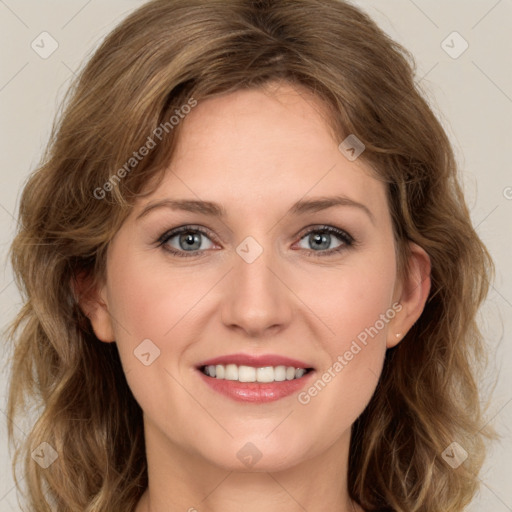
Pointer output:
x,y
256,361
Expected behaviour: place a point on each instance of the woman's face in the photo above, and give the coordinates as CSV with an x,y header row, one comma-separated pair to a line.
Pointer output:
x,y
264,279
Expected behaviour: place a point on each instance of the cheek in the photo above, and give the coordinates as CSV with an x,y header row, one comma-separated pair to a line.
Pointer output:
x,y
148,299
352,299
152,300
357,307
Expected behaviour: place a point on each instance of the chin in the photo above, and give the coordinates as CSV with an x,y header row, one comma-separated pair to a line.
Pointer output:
x,y
254,455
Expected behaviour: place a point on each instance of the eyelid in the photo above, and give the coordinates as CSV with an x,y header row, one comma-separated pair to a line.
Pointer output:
x,y
329,229
183,229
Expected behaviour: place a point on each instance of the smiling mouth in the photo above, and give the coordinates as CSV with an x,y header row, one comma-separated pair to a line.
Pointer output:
x,y
265,374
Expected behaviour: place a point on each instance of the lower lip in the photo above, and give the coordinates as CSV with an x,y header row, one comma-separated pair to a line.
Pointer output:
x,y
256,392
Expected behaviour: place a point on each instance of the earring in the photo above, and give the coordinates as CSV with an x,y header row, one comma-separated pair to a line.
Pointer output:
x,y
398,334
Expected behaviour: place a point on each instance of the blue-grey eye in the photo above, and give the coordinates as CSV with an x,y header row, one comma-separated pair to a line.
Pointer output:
x,y
320,239
186,240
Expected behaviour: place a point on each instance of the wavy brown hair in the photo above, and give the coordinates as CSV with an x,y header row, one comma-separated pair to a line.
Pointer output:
x,y
158,59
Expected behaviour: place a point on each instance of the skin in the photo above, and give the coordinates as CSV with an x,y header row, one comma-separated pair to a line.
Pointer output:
x,y
255,153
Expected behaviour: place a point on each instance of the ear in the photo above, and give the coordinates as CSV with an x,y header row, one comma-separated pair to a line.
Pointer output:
x,y
412,295
91,297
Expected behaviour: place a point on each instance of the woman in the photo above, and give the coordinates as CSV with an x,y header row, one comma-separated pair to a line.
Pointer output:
x,y
251,278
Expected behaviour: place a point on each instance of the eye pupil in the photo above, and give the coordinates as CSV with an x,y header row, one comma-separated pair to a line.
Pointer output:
x,y
319,238
190,239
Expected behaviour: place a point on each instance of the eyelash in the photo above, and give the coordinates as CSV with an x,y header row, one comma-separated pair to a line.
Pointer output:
x,y
347,239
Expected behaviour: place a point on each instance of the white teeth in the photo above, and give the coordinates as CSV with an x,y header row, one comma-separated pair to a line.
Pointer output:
x,y
246,374
299,372
265,374
231,372
219,372
280,373
290,373
251,374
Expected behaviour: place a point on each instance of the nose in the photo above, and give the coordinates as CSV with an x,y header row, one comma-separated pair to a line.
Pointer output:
x,y
257,300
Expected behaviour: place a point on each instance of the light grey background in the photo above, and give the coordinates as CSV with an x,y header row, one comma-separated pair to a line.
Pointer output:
x,y
472,94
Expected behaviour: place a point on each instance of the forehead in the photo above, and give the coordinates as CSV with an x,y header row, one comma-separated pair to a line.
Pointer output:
x,y
258,147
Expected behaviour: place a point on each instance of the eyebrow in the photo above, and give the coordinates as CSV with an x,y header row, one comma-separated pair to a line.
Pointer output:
x,y
216,210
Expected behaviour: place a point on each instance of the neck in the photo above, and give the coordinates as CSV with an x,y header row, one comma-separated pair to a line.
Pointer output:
x,y
181,480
